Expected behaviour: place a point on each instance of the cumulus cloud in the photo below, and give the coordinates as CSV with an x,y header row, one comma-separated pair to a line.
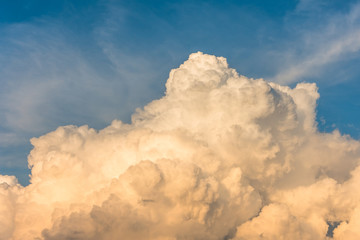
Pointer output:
x,y
220,156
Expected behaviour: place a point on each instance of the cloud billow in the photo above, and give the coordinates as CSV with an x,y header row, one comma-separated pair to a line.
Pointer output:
x,y
220,156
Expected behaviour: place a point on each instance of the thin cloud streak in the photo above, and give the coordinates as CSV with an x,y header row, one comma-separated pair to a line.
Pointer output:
x,y
338,40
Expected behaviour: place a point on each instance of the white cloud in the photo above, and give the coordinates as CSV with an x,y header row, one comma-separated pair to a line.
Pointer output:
x,y
220,156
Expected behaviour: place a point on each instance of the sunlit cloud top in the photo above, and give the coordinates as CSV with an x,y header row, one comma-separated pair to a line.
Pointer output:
x,y
89,63
219,156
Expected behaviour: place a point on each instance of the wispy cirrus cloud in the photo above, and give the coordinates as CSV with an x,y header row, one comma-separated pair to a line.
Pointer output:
x,y
332,38
52,75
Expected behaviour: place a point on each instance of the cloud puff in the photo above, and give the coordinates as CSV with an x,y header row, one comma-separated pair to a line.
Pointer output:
x,y
220,156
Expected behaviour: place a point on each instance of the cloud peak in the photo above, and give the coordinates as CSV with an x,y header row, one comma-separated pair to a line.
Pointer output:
x,y
220,156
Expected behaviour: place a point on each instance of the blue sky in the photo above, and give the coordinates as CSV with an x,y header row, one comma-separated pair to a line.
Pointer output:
x,y
89,62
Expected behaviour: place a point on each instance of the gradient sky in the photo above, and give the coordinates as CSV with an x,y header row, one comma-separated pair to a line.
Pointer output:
x,y
89,62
